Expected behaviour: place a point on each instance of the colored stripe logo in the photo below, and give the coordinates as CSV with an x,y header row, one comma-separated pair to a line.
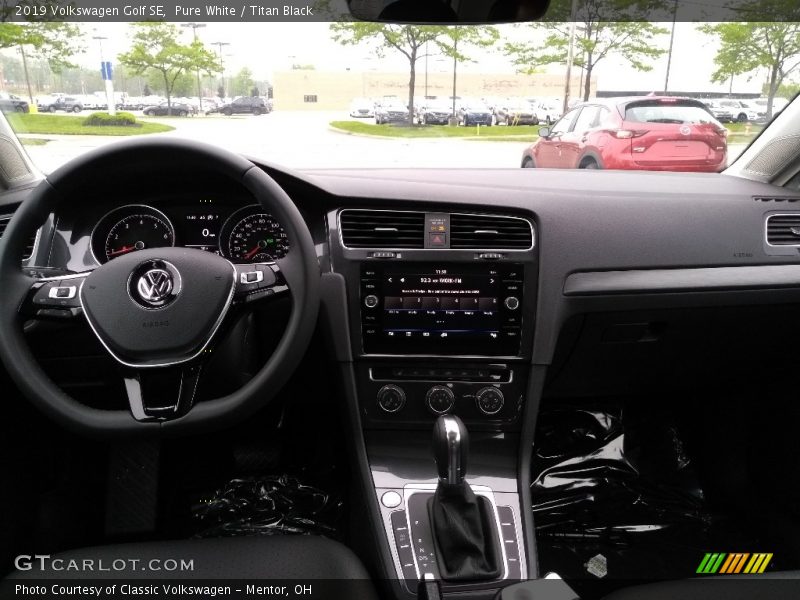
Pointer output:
x,y
733,563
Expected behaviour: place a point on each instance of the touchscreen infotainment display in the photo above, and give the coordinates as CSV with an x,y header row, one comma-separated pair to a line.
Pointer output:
x,y
441,308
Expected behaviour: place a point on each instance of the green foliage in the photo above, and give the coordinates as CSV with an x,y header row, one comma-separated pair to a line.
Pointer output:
x,y
157,49
243,83
408,40
54,42
603,28
454,43
101,119
750,46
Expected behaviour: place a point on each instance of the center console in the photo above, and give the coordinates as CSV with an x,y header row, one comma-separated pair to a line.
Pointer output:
x,y
441,311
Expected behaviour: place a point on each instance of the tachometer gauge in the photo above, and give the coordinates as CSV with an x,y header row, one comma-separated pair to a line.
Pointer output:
x,y
131,228
252,236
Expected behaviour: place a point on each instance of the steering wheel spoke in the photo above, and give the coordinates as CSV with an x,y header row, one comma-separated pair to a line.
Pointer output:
x,y
54,298
162,393
259,281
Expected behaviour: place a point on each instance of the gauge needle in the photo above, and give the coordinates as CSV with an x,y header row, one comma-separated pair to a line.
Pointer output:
x,y
253,252
122,250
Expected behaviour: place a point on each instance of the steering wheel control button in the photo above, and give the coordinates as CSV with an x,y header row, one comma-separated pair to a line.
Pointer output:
x,y
371,301
66,292
490,400
440,399
511,303
391,500
391,398
251,277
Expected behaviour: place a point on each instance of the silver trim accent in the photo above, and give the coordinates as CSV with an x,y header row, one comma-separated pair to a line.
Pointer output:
x,y
487,389
479,490
399,390
202,348
35,247
164,217
796,215
455,471
464,381
71,291
423,211
259,277
428,403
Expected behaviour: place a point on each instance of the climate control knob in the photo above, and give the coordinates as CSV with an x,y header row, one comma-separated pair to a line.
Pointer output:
x,y
440,399
490,400
391,398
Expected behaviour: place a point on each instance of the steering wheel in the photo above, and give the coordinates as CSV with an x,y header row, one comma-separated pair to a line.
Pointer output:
x,y
157,311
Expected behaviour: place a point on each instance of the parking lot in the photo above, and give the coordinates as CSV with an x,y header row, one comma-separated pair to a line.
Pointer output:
x,y
304,140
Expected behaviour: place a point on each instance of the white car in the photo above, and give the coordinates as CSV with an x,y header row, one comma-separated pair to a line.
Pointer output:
x,y
547,111
743,112
362,107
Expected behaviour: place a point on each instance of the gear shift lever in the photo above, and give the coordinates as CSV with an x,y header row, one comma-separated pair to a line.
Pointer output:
x,y
450,449
465,533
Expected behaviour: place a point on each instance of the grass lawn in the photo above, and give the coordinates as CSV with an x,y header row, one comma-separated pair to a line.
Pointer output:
x,y
68,125
523,132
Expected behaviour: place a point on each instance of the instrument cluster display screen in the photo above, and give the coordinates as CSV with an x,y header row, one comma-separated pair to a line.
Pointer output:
x,y
432,308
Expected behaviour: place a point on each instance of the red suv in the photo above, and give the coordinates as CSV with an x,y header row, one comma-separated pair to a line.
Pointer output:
x,y
659,133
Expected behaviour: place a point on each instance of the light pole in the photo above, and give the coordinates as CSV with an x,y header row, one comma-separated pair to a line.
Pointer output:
x,y
108,84
195,27
570,53
671,42
219,46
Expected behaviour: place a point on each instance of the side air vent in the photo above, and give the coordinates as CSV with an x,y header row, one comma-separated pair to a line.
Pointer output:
x,y
783,230
382,229
490,232
4,219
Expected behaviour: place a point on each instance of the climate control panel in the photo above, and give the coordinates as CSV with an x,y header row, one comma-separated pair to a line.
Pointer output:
x,y
489,395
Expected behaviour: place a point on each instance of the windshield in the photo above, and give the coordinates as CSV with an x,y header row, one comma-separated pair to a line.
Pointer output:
x,y
318,94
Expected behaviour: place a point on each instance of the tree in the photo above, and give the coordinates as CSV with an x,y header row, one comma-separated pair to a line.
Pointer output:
x,y
408,40
156,49
749,46
454,42
147,91
243,82
55,42
602,28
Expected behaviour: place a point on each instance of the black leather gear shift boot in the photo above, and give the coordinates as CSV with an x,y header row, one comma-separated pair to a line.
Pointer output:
x,y
465,534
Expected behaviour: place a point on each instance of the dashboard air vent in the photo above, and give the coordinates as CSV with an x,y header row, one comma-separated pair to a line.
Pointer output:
x,y
783,230
382,229
4,219
490,232
775,199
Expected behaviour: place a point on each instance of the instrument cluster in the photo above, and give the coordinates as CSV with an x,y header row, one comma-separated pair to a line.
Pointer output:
x,y
241,234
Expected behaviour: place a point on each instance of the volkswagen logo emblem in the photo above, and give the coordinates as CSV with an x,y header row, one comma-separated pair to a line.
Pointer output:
x,y
154,284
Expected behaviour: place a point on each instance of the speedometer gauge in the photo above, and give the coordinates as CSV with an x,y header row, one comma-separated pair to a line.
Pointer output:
x,y
131,228
252,236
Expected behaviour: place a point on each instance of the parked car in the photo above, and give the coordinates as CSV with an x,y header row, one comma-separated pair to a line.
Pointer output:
x,y
390,112
645,133
474,114
721,114
254,105
65,103
742,112
547,111
435,113
178,109
519,113
12,103
778,104
362,107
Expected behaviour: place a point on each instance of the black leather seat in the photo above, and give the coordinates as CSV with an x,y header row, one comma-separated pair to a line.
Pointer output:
x,y
286,557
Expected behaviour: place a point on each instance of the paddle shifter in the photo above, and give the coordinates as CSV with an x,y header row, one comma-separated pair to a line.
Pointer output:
x,y
464,527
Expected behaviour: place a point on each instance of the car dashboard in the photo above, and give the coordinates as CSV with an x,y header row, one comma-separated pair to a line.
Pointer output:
x,y
455,292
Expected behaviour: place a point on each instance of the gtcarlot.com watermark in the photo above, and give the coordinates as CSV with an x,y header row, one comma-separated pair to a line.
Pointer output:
x,y
44,562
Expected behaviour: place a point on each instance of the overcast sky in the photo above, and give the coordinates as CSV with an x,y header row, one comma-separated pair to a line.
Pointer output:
x,y
267,47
